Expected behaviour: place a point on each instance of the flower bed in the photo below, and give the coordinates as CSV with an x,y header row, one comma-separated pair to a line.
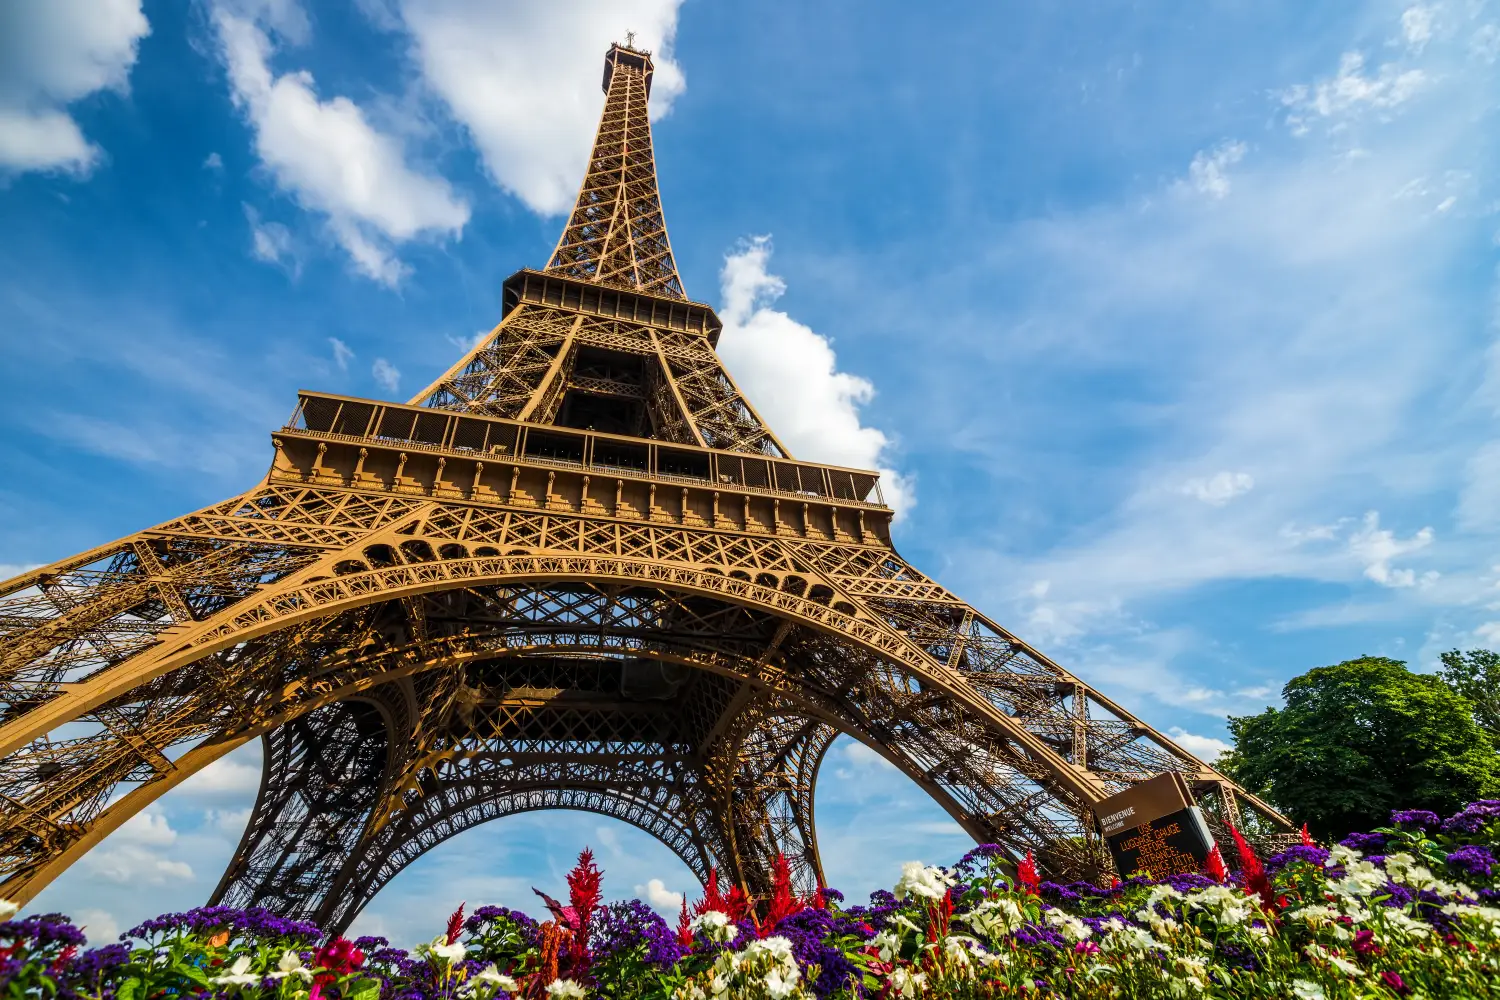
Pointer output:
x,y
1410,910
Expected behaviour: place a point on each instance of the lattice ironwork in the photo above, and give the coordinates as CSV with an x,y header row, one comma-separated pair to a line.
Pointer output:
x,y
576,572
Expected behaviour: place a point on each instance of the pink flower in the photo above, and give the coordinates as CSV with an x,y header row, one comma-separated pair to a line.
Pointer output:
x,y
1393,979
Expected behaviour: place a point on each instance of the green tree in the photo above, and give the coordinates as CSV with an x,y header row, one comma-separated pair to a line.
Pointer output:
x,y
1359,739
1476,676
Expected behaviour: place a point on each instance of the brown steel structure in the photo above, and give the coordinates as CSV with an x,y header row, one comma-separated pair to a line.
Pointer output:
x,y
578,571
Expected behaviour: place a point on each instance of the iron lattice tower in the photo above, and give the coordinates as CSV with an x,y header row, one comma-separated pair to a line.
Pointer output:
x,y
578,571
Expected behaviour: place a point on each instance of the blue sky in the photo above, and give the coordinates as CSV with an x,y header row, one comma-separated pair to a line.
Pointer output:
x,y
1176,330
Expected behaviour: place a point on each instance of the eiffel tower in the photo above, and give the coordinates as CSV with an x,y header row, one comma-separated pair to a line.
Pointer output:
x,y
578,571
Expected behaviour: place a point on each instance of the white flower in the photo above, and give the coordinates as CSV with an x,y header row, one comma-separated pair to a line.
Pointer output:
x,y
1412,929
1071,927
565,989
8,909
887,945
238,975
1304,990
779,985
918,879
490,976
905,924
995,917
440,948
1339,855
1130,938
906,983
1161,892
1229,907
715,926
291,965
957,954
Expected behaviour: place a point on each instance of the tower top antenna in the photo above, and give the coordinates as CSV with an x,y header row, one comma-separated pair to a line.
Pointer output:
x,y
630,39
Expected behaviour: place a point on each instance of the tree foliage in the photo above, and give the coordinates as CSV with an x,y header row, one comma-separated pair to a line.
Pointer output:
x,y
1360,738
1476,676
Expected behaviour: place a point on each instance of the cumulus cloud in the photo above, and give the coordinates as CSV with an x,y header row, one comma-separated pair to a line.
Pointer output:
x,y
659,896
147,829
100,925
231,821
224,776
1205,748
1207,173
326,154
53,53
130,856
523,77
1220,488
1375,547
134,865
791,376
387,375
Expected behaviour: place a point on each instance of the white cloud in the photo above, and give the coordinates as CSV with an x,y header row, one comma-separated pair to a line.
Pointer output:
x,y
213,162
99,925
146,829
51,54
230,821
1416,27
1207,171
270,241
859,755
1205,748
1350,92
523,78
791,375
342,354
130,855
224,776
1220,488
659,896
1488,633
131,864
387,375
1375,547
329,157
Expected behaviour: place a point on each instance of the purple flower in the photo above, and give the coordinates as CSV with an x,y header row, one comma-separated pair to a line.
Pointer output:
x,y
620,927
42,930
1314,856
1473,860
1421,819
1474,817
1364,842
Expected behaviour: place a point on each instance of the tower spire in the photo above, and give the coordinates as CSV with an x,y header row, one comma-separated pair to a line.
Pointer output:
x,y
616,234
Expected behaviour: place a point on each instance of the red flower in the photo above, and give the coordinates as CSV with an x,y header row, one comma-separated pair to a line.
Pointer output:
x,y
584,891
1026,872
1256,882
782,903
735,905
456,923
64,958
1364,943
1395,982
339,956
684,926
1307,840
1213,865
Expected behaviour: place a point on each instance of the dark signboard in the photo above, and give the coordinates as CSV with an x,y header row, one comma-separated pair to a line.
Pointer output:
x,y
1155,826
